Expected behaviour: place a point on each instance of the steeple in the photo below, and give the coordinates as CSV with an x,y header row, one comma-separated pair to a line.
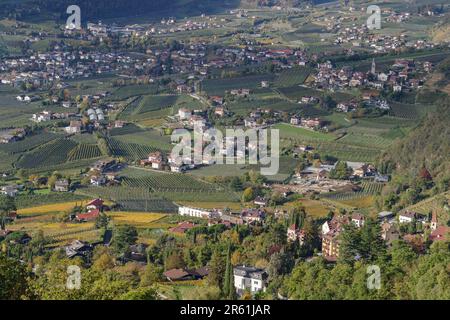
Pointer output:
x,y
373,69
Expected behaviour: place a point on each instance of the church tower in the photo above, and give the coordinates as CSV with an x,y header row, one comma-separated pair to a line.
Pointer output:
x,y
374,66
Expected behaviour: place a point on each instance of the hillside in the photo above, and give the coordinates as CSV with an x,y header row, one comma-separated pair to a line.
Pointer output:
x,y
427,146
101,9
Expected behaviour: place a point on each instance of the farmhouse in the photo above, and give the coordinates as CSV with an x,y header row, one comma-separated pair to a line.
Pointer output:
x,y
155,159
61,186
89,216
74,127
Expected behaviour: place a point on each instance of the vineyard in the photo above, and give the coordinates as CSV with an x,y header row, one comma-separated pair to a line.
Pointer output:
x,y
367,189
129,151
28,143
219,86
292,77
165,182
348,152
55,152
433,204
128,129
84,151
126,92
365,140
132,198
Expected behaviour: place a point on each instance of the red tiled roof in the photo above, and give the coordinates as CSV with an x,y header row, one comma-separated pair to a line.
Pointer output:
x,y
91,215
440,233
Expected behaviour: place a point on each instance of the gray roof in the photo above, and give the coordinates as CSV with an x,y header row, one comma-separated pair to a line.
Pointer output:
x,y
250,272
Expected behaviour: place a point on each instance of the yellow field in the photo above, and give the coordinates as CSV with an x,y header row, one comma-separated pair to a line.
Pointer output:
x,y
138,219
212,205
55,207
364,202
313,208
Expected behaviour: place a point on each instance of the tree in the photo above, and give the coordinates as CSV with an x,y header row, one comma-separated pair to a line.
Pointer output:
x,y
248,195
236,184
228,283
101,221
174,261
13,279
216,269
340,171
7,205
123,237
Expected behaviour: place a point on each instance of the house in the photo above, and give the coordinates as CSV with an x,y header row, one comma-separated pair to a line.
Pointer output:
x,y
186,274
155,159
182,227
184,114
358,219
407,217
260,201
78,249
11,190
389,232
89,216
295,121
98,180
251,216
294,234
61,186
219,111
74,127
95,204
198,213
249,279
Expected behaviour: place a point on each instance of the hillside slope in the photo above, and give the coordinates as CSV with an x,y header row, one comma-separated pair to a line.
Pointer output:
x,y
427,146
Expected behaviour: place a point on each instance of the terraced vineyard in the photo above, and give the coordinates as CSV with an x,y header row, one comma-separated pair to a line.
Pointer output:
x,y
129,151
84,151
55,152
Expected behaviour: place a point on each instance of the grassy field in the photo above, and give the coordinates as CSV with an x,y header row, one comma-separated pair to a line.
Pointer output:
x,y
288,131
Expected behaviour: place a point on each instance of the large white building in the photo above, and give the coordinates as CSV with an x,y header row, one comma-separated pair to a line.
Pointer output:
x,y
249,279
198,213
